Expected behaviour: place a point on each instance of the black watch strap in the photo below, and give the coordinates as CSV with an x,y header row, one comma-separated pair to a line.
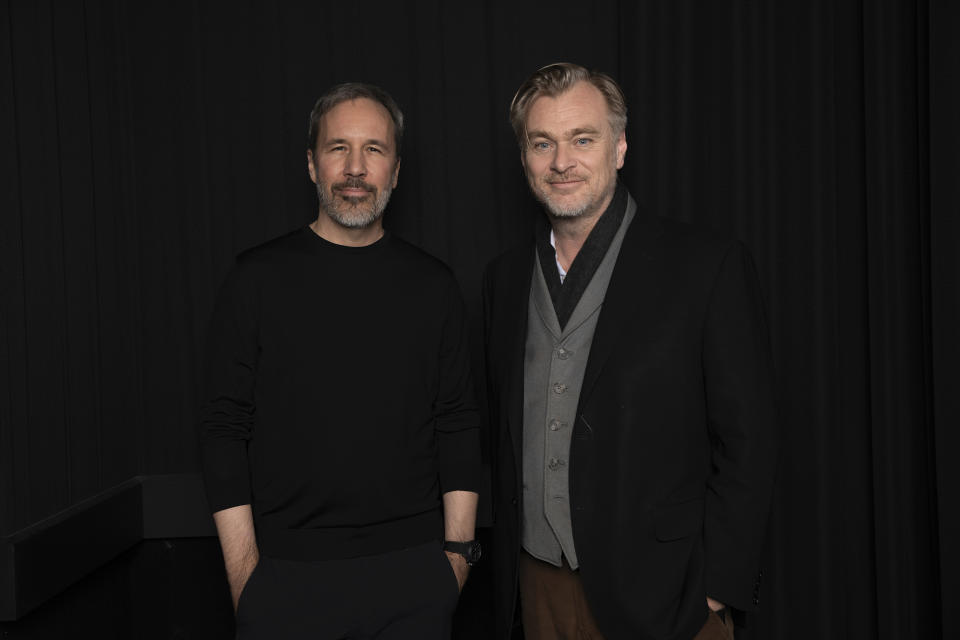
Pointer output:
x,y
470,550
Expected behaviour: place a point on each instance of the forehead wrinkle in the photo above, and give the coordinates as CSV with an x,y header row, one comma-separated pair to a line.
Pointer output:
x,y
578,130
580,106
353,116
570,133
375,141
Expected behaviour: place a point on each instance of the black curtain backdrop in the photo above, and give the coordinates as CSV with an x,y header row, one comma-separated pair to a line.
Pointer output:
x,y
143,145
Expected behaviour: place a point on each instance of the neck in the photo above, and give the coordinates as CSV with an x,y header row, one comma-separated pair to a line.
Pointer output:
x,y
331,231
569,234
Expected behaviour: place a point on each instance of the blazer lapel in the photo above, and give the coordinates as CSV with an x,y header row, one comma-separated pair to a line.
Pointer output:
x,y
632,284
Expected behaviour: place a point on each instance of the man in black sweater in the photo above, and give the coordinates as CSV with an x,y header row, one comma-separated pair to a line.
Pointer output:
x,y
339,435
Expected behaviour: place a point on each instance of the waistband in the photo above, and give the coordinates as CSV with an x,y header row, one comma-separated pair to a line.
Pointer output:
x,y
330,543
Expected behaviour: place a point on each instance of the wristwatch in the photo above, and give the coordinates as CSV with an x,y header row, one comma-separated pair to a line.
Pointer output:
x,y
470,550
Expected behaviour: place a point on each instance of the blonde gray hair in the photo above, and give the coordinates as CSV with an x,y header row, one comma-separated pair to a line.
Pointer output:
x,y
553,80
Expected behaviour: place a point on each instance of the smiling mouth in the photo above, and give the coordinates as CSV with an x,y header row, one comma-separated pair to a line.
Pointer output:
x,y
564,183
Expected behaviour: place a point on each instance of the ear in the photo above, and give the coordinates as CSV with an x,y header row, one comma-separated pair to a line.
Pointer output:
x,y
621,148
396,174
311,169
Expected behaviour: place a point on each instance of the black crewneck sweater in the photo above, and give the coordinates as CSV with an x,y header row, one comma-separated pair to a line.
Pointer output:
x,y
338,396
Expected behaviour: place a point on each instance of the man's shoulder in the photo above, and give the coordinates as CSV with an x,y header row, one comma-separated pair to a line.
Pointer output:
x,y
262,263
511,262
288,244
417,256
682,240
418,263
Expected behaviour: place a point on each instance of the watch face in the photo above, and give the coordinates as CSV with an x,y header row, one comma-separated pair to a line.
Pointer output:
x,y
470,551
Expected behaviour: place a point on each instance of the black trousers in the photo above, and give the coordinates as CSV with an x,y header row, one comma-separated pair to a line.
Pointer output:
x,y
411,593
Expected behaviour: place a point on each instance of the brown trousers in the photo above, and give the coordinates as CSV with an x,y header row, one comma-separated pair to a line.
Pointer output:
x,y
554,607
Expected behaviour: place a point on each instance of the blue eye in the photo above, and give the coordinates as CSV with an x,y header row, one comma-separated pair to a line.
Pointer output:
x,y
541,146
583,141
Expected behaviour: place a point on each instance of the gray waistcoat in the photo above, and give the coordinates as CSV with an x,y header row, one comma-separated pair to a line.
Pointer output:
x,y
553,369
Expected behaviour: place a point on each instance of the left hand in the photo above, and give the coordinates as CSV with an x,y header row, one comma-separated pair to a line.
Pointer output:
x,y
460,567
715,605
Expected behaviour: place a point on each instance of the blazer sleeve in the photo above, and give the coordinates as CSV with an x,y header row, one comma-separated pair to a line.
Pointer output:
x,y
741,420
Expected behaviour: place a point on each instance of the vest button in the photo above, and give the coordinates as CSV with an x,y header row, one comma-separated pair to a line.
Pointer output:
x,y
555,425
563,354
559,388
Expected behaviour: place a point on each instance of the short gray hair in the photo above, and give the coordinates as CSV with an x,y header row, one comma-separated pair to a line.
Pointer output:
x,y
354,91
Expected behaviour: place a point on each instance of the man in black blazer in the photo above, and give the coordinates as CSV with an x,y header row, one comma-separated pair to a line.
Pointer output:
x,y
631,395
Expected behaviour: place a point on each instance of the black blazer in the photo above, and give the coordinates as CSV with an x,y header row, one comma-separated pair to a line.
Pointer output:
x,y
674,446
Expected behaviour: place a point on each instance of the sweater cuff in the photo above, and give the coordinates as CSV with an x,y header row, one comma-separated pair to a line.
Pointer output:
x,y
459,460
226,475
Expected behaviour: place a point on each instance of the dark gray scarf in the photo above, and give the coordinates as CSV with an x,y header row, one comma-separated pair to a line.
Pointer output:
x,y
566,295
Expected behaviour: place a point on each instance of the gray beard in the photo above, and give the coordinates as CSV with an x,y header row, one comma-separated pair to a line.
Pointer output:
x,y
562,213
554,212
353,213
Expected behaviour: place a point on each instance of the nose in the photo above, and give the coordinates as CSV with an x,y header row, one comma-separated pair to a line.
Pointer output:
x,y
355,166
563,160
